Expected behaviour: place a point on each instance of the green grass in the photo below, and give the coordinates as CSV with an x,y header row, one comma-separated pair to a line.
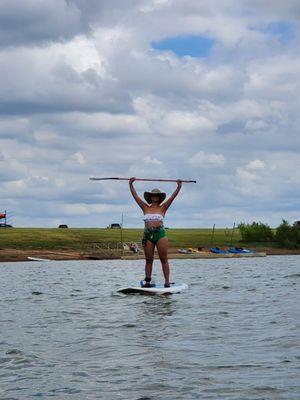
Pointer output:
x,y
83,238
201,237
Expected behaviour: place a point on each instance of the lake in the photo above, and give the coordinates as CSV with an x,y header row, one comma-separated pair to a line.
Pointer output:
x,y
65,333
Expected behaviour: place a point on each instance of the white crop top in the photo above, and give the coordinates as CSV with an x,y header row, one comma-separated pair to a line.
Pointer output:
x,y
153,217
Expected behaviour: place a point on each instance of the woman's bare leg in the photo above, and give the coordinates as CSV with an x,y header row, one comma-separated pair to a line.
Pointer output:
x,y
148,248
162,248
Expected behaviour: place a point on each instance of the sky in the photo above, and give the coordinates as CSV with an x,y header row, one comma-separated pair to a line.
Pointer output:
x,y
191,89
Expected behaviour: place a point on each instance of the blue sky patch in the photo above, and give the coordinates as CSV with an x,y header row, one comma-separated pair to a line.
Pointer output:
x,y
283,30
190,45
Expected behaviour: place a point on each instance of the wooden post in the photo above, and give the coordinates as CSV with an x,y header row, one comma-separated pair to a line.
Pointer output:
x,y
232,232
212,234
122,234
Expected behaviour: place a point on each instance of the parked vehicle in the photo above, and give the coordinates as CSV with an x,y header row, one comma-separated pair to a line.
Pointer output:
x,y
114,226
5,226
64,226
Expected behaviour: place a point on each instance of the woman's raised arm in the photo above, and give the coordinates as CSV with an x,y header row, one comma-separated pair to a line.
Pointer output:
x,y
170,200
136,197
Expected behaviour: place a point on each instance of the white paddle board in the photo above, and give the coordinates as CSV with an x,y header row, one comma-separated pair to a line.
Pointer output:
x,y
157,289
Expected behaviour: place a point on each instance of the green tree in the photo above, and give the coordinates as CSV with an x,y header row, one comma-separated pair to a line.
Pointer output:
x,y
256,232
288,235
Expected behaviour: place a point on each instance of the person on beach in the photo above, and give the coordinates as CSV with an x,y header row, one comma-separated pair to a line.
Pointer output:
x,y
154,233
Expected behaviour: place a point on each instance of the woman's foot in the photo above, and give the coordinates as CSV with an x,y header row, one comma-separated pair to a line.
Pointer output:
x,y
167,284
146,283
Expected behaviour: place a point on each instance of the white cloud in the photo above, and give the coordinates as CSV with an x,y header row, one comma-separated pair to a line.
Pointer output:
x,y
81,53
256,125
256,165
246,177
91,97
11,169
163,119
79,158
153,5
150,160
207,160
179,122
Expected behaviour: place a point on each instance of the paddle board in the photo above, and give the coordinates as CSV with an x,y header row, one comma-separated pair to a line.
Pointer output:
x,y
157,289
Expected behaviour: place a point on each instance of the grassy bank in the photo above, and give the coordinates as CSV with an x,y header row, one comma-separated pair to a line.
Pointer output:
x,y
83,239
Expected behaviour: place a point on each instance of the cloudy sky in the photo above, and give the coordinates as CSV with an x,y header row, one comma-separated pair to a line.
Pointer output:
x,y
196,89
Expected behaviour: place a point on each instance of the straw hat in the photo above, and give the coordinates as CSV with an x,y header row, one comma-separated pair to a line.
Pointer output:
x,y
157,192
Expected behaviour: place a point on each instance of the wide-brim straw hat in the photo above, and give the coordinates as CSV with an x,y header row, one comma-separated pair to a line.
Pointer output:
x,y
157,192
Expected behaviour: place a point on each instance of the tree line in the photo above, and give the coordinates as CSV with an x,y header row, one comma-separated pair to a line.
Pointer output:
x,y
285,235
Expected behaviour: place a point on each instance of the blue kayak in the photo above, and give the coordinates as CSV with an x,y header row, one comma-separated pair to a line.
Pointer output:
x,y
217,250
239,250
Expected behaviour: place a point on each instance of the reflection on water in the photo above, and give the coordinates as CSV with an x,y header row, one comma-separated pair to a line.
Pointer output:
x,y
66,333
157,307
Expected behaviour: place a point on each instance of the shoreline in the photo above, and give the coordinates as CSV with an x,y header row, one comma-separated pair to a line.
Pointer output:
x,y
18,244
16,255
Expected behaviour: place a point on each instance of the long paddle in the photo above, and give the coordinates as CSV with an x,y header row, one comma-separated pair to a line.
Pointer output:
x,y
142,179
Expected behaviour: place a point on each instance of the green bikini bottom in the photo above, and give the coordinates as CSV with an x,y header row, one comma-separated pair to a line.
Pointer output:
x,y
154,234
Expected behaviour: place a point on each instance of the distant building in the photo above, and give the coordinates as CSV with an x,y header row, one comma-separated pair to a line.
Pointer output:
x,y
63,226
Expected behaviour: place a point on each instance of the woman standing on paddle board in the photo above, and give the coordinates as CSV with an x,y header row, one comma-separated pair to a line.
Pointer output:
x,y
154,233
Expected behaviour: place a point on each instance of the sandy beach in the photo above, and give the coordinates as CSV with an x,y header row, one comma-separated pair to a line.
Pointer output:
x,y
9,255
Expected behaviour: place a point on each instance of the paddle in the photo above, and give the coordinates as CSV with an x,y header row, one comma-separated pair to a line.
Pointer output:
x,y
143,179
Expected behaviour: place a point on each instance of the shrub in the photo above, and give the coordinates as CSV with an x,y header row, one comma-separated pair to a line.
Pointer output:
x,y
256,232
288,236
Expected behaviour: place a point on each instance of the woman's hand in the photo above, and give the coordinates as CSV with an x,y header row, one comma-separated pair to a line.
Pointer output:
x,y
131,180
179,183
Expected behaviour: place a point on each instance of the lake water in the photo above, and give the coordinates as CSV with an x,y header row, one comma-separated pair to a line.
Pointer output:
x,y
234,334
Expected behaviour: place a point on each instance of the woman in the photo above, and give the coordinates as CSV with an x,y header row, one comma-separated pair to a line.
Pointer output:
x,y
154,233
